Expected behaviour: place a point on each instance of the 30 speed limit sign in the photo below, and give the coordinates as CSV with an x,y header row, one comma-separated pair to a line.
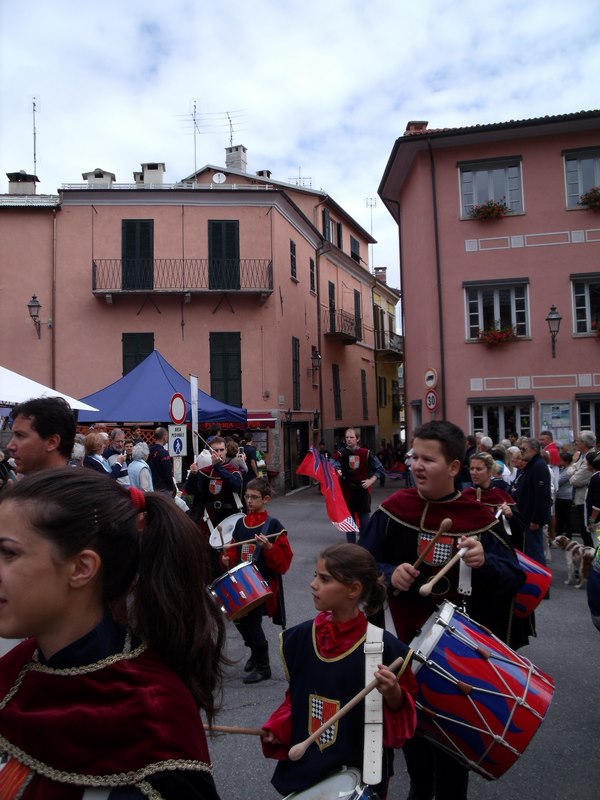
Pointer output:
x,y
431,400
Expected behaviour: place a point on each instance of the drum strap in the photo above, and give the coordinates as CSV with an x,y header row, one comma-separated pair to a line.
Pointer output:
x,y
373,708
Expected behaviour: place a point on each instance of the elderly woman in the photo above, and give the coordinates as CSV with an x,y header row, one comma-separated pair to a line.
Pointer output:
x,y
94,444
139,472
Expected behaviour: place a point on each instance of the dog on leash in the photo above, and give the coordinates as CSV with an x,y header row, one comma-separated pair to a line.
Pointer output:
x,y
579,560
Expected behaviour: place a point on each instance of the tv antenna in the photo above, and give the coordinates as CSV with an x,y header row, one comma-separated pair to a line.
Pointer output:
x,y
33,110
213,122
371,204
304,182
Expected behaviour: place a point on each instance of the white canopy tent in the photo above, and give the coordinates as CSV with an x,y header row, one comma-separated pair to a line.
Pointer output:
x,y
15,388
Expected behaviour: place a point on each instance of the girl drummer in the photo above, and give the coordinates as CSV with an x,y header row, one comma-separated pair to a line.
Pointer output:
x,y
124,648
325,662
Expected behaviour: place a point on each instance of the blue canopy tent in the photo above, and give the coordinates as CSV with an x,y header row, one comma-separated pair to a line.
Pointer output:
x,y
143,396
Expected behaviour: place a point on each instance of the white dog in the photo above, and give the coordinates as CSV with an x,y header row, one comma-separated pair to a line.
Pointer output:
x,y
579,559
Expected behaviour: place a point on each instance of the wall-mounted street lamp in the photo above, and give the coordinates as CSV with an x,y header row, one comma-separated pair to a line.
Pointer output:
x,y
288,415
316,419
553,319
315,363
34,306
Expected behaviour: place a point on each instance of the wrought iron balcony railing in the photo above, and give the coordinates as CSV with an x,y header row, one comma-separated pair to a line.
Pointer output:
x,y
389,342
341,325
165,275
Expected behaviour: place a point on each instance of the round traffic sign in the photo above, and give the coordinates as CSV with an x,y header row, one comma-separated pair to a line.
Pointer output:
x,y
431,400
177,409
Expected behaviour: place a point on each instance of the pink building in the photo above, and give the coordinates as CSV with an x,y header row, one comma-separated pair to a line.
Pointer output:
x,y
493,235
261,288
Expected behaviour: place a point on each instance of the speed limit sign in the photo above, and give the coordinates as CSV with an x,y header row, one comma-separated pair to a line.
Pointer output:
x,y
431,400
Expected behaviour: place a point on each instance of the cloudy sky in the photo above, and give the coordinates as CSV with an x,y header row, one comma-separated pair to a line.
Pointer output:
x,y
314,88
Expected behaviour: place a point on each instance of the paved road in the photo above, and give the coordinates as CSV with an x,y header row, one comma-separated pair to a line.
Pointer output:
x,y
560,762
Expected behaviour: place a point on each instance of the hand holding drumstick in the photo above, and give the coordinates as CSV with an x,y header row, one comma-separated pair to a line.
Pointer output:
x,y
472,553
405,574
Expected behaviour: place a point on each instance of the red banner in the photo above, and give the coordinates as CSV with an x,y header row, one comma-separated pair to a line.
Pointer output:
x,y
318,467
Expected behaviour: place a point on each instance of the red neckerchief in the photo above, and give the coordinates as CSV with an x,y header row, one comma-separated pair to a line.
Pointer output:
x,y
408,507
254,520
335,638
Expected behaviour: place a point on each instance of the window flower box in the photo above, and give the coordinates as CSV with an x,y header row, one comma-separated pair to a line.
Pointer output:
x,y
491,209
591,199
494,337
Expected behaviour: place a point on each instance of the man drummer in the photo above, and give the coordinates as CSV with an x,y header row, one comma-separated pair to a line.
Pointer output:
x,y
488,573
216,486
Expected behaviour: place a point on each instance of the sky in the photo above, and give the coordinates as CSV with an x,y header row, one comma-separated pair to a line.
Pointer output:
x,y
315,89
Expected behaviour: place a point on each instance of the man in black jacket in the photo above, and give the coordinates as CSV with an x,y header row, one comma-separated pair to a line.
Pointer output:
x,y
534,500
161,463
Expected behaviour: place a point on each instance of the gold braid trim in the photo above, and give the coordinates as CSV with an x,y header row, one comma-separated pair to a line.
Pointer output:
x,y
420,528
149,791
121,779
405,663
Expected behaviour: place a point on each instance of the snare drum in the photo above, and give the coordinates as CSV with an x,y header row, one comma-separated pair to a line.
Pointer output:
x,y
533,591
240,590
224,529
343,785
478,700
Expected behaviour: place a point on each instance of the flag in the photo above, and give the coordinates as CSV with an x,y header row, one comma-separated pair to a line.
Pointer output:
x,y
318,467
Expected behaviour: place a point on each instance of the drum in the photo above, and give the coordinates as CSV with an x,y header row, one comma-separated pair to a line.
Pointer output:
x,y
478,700
226,530
533,591
240,590
343,785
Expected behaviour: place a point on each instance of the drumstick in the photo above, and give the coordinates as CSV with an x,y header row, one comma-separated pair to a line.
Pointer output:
x,y
425,590
445,525
298,750
233,729
247,541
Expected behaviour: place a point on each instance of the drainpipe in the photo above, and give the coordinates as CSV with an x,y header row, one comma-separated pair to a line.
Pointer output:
x,y
53,306
438,273
324,248
402,325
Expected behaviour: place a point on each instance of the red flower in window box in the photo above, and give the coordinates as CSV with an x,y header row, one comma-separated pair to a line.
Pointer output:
x,y
492,337
591,199
491,209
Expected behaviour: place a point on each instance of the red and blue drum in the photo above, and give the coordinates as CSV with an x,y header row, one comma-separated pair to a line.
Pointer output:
x,y
533,591
240,590
478,700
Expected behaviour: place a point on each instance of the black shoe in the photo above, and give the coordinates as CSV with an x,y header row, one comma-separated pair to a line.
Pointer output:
x,y
250,664
258,675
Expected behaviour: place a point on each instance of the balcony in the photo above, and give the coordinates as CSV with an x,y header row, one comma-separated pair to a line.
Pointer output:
x,y
388,344
341,326
179,275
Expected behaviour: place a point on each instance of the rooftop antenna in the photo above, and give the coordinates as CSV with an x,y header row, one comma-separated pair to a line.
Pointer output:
x,y
212,122
230,129
33,108
371,203
303,182
196,131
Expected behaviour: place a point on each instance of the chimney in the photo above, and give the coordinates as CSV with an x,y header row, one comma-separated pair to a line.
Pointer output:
x,y
264,173
236,157
381,274
152,175
98,179
416,126
21,182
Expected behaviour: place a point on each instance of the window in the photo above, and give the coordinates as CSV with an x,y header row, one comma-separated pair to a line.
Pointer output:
x,y
136,347
137,253
332,230
293,259
396,401
357,316
497,304
382,392
223,254
326,225
363,392
499,180
337,394
582,173
295,373
588,415
586,302
312,275
355,249
498,419
226,367
331,298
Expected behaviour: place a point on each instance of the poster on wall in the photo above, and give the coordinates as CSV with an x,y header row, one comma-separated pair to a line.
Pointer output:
x,y
556,417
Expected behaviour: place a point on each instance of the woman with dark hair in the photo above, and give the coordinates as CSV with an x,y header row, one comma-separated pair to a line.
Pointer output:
x,y
125,644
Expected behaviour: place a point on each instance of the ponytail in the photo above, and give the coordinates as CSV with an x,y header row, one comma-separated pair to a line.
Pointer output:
x,y
351,562
173,610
